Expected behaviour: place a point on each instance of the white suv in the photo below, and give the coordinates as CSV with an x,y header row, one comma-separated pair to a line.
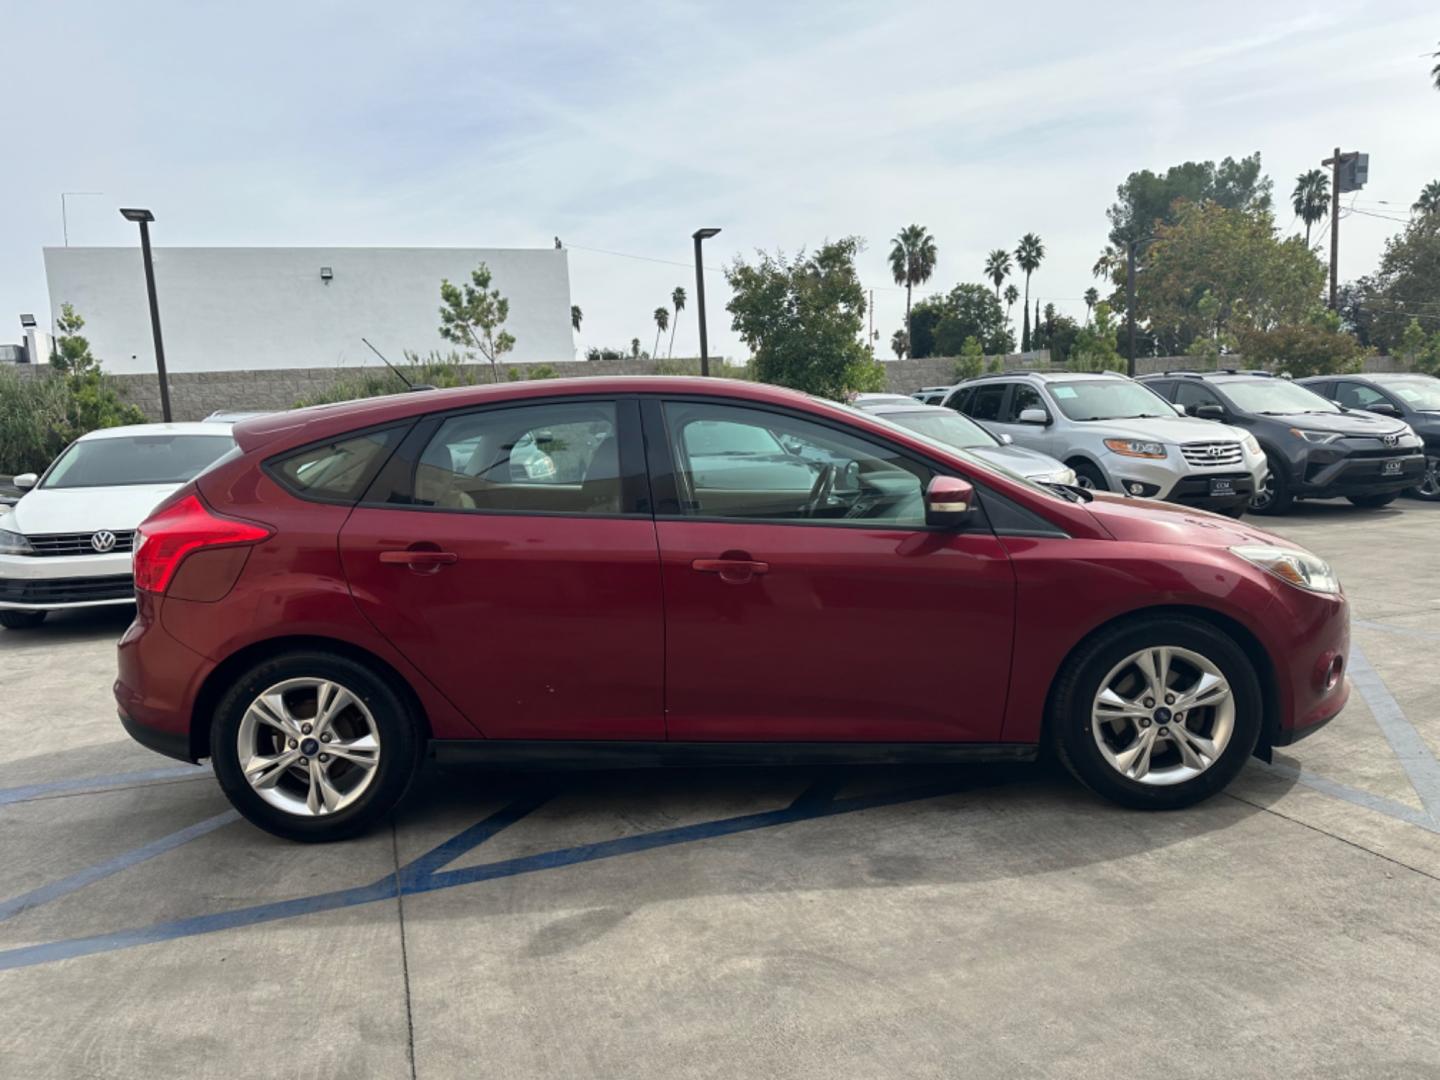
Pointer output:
x,y
1118,435
66,543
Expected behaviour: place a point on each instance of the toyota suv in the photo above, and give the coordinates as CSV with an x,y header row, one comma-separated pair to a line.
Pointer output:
x,y
1408,396
1118,435
1316,449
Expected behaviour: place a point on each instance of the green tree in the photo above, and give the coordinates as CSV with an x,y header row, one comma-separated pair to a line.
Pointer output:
x,y
471,315
634,348
1406,283
576,315
942,323
900,344
662,323
1413,344
1252,278
912,261
1313,346
1094,346
34,420
802,318
1028,255
91,404
1011,295
677,301
1092,297
1429,200
1311,199
997,267
1146,199
971,361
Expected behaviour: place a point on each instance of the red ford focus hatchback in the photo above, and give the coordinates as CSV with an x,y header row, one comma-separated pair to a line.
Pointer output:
x,y
650,571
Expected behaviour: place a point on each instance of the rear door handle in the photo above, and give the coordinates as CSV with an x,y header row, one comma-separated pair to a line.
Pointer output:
x,y
420,558
731,571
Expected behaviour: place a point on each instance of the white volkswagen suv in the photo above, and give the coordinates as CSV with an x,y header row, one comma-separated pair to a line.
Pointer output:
x,y
66,542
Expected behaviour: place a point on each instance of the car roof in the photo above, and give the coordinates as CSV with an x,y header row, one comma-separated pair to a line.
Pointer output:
x,y
198,427
914,407
1045,376
1229,375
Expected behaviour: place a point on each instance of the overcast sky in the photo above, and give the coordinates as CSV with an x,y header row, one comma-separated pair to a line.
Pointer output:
x,y
623,126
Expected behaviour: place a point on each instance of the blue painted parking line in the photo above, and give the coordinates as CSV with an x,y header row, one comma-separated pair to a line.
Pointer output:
x,y
1404,631
78,880
100,783
419,877
1356,796
1409,747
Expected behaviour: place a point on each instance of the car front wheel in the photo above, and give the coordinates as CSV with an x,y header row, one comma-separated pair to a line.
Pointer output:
x,y
1157,713
313,746
1429,486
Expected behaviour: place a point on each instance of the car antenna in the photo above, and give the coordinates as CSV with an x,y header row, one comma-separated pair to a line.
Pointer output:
x,y
398,374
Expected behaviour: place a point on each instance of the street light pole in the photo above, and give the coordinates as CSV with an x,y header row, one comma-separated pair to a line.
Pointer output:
x,y
143,218
701,235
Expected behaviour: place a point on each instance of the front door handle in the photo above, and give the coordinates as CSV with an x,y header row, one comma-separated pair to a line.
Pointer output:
x,y
732,571
420,560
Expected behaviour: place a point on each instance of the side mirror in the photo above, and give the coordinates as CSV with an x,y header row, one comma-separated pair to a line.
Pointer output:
x,y
25,481
949,502
1384,408
1006,439
1209,412
1034,416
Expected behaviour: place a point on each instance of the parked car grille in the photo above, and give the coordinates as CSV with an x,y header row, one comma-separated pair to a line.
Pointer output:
x,y
1364,446
80,543
1213,453
66,590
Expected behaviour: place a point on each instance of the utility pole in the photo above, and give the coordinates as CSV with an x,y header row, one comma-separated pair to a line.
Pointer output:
x,y
1130,303
1356,173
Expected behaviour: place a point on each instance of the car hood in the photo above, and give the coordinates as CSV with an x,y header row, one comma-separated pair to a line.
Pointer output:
x,y
1176,430
79,510
1149,522
1017,459
1346,423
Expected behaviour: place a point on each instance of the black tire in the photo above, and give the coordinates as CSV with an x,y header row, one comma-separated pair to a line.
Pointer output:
x,y
22,620
1275,496
1088,476
1078,683
1373,502
1235,512
401,737
1428,490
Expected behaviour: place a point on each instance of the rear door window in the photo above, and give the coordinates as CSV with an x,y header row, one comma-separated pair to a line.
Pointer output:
x,y
985,405
336,471
1023,397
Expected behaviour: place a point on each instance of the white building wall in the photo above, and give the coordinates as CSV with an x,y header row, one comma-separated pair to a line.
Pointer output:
x,y
232,309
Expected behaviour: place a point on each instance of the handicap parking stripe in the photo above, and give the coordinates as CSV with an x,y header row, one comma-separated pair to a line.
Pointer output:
x,y
99,783
1406,742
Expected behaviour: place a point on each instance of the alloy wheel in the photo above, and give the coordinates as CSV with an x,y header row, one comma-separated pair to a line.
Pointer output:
x,y
1429,486
1264,494
308,746
1163,715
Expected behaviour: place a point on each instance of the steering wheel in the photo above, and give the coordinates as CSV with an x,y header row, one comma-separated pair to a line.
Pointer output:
x,y
821,490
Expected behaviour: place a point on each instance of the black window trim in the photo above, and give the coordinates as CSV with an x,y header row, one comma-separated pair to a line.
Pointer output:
x,y
635,497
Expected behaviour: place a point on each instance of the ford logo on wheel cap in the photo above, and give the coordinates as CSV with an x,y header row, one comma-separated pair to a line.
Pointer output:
x,y
103,541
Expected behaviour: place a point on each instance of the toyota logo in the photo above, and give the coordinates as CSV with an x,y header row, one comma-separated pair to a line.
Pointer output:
x,y
103,541
1391,440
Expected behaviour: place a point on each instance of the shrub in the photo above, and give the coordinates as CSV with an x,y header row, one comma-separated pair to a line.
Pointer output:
x,y
971,361
34,420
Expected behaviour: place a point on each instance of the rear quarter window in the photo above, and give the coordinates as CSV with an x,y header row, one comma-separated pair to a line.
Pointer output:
x,y
337,471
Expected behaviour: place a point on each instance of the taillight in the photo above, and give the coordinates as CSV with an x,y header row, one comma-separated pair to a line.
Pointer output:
x,y
163,540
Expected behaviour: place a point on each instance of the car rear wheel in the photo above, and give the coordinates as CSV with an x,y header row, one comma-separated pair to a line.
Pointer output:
x,y
1272,496
1429,486
1158,713
22,620
313,746
1089,477
1373,502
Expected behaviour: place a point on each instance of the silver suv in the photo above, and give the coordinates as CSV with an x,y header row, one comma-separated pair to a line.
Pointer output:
x,y
1118,435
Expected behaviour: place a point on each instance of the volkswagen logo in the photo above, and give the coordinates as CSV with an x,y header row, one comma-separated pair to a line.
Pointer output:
x,y
1391,440
103,541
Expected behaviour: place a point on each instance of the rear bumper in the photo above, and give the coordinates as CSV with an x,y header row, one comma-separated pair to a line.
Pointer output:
x,y
169,743
1360,476
156,684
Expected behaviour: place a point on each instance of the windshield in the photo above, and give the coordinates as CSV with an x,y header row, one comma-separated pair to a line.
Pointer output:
x,y
1421,394
1108,399
1276,396
137,459
947,427
712,438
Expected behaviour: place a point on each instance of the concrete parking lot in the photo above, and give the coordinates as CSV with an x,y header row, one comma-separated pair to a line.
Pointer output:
x,y
968,922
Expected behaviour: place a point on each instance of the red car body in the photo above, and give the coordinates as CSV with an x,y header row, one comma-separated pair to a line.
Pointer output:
x,y
552,628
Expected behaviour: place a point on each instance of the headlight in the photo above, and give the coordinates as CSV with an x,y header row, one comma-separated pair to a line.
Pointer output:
x,y
1291,565
1136,448
1251,445
1315,436
12,543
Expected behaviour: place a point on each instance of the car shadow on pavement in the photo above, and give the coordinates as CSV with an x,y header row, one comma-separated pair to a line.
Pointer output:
x,y
65,627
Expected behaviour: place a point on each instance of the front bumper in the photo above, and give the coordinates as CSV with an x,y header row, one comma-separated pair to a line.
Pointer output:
x,y
1171,480
34,583
1322,479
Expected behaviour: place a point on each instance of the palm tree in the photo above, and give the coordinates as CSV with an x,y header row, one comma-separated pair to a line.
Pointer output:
x,y
1311,198
1110,260
912,261
1092,297
635,348
662,323
997,268
677,300
1429,201
575,316
900,342
1011,295
1435,71
1028,255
